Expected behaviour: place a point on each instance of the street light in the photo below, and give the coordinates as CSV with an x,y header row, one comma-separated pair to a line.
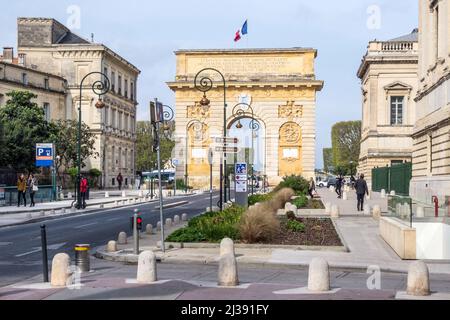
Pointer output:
x,y
239,112
205,84
100,88
160,113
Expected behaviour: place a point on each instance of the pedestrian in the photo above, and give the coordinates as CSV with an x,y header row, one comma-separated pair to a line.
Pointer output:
x,y
311,188
120,180
339,182
21,190
83,191
361,191
352,181
32,188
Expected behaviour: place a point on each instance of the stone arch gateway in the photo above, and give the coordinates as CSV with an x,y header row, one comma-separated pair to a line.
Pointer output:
x,y
279,84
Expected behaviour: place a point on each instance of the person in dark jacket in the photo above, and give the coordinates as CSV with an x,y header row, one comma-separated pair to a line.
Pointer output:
x,y
339,183
361,191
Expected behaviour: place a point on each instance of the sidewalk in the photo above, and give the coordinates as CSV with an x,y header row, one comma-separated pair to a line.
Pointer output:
x,y
359,233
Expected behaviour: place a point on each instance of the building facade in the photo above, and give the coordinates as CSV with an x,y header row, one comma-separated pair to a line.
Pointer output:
x,y
280,87
48,45
49,89
431,155
388,74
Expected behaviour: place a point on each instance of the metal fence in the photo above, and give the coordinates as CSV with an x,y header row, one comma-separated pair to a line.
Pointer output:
x,y
395,178
8,195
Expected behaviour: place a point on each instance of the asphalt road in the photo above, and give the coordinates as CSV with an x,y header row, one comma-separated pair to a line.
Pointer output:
x,y
20,253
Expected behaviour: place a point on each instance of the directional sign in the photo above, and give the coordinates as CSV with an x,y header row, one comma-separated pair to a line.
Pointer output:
x,y
44,154
227,149
227,140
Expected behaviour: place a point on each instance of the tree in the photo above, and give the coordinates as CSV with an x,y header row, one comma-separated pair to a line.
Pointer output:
x,y
23,125
346,138
146,159
327,159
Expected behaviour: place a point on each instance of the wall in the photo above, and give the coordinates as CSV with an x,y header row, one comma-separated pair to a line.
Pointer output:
x,y
433,240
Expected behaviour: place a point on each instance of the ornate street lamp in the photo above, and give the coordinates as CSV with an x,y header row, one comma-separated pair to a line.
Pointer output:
x,y
242,110
100,88
205,84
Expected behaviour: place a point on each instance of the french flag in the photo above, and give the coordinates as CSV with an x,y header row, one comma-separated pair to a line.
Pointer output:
x,y
242,31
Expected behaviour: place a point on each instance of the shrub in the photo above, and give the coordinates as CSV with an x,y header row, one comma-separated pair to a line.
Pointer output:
x,y
295,226
259,224
255,198
279,199
296,183
301,201
186,235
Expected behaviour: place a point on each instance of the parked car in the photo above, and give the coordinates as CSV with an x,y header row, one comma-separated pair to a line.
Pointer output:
x,y
331,182
322,184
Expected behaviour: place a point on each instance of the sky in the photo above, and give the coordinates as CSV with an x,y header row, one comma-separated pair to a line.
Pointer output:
x,y
148,32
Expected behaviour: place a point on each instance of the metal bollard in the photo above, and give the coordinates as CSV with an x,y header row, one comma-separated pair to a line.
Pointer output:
x,y
135,233
44,252
82,257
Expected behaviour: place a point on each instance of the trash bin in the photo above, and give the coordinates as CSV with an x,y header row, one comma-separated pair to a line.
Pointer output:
x,y
82,259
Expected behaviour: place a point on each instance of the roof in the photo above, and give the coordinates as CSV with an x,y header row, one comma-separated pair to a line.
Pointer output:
x,y
411,37
72,38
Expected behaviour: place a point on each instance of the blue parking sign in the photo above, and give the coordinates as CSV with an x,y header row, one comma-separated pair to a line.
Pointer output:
x,y
44,154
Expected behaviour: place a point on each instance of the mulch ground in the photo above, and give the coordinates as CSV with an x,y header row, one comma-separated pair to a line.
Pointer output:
x,y
318,232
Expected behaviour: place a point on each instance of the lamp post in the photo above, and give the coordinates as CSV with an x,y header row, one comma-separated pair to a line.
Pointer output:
x,y
160,114
205,84
100,88
198,126
239,112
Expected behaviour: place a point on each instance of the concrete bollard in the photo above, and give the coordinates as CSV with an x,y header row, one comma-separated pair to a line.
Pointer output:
x,y
149,229
420,213
60,270
146,270
124,194
383,193
169,222
319,275
366,209
418,279
228,275
61,196
345,196
226,247
334,211
176,219
184,217
158,226
111,246
376,212
393,193
73,209
141,193
122,238
63,210
69,195
106,194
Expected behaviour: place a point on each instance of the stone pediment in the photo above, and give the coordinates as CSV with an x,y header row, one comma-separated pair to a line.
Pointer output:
x,y
398,86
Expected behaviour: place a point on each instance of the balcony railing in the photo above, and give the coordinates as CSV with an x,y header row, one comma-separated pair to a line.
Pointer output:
x,y
397,46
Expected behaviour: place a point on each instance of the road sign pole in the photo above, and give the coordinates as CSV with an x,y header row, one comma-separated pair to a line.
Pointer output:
x,y
135,234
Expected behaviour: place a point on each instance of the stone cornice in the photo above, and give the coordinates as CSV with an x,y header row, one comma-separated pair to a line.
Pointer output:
x,y
427,91
316,84
367,61
444,122
246,51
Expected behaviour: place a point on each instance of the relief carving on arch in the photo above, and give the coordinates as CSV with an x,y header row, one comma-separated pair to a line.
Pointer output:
x,y
290,110
290,134
198,111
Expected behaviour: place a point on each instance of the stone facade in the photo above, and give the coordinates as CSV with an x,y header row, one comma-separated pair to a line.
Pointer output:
x,y
50,89
278,84
50,46
388,74
431,156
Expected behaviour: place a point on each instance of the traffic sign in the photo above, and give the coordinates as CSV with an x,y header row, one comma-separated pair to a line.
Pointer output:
x,y
44,154
175,162
227,149
227,140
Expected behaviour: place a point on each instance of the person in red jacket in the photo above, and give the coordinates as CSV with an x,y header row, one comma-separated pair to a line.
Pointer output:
x,y
83,191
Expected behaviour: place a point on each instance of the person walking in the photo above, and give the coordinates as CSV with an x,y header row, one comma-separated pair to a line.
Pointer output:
x,y
21,190
361,191
83,191
311,188
32,188
120,180
339,182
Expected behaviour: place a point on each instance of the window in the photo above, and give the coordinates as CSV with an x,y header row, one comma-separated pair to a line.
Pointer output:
x,y
113,122
24,79
113,81
132,91
120,84
47,111
126,88
46,85
396,162
105,71
397,110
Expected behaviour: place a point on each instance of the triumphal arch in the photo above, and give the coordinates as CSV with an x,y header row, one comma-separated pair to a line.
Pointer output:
x,y
270,97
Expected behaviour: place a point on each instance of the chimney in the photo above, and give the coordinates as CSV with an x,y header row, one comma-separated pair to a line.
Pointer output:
x,y
22,59
8,54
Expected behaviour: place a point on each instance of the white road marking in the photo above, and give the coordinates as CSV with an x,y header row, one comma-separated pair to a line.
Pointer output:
x,y
113,219
27,253
38,249
85,225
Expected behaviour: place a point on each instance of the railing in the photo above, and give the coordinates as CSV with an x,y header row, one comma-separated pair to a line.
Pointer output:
x,y
401,207
9,196
397,46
